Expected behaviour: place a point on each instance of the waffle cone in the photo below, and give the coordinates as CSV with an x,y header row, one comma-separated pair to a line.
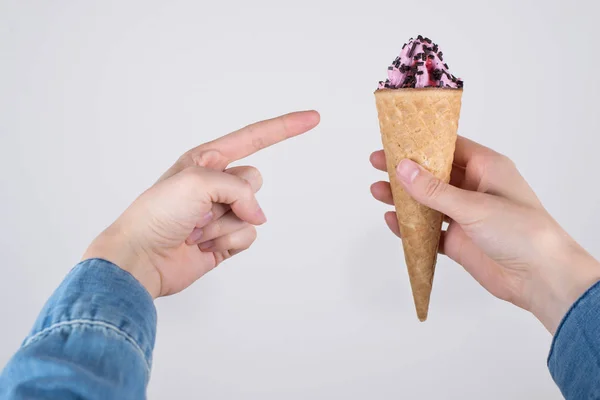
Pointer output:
x,y
419,124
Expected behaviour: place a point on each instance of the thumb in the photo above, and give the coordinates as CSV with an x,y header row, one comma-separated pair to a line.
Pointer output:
x,y
461,205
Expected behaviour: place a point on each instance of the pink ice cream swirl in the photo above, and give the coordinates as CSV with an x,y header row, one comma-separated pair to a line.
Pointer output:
x,y
420,65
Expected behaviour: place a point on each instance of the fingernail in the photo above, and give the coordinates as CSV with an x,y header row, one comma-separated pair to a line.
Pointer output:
x,y
261,215
207,245
407,171
195,236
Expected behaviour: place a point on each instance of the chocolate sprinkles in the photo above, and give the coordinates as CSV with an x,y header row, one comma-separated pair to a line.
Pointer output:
x,y
412,50
409,65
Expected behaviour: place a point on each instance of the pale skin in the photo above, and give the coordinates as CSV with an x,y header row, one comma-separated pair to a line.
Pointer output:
x,y
499,231
200,213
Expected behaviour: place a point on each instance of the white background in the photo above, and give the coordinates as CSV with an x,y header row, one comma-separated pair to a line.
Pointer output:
x,y
97,99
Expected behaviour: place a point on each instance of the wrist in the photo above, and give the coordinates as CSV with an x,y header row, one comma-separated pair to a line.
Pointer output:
x,y
115,246
569,274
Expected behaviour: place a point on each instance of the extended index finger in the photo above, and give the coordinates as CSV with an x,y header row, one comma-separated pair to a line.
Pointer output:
x,y
255,137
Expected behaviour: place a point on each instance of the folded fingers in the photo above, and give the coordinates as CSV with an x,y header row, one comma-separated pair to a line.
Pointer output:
x,y
222,226
249,174
233,242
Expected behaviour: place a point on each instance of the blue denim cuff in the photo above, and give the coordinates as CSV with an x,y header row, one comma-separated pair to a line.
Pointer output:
x,y
574,351
98,292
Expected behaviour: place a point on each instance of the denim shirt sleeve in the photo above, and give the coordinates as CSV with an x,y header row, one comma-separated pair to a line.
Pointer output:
x,y
574,359
92,340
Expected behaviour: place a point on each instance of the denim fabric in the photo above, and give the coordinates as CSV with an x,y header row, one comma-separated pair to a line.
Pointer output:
x,y
574,359
92,340
95,335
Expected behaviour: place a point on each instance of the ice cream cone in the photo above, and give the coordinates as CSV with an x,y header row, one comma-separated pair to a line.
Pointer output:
x,y
421,125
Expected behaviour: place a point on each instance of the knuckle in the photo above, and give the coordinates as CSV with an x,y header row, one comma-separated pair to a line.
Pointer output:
x,y
247,189
249,239
257,179
479,164
253,234
250,174
284,125
220,257
434,188
254,173
258,143
487,166
490,162
208,158
196,158
224,242
503,161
